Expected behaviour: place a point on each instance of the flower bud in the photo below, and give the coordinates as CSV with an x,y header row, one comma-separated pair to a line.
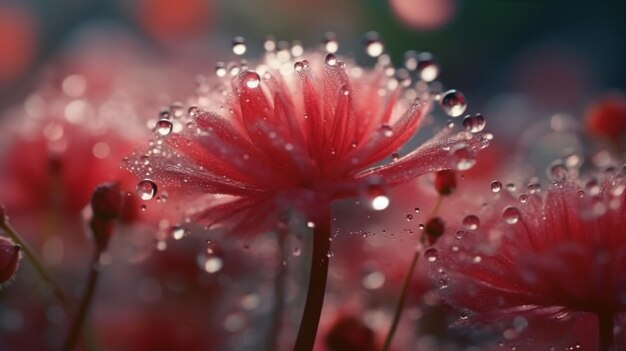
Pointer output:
x,y
445,182
106,201
606,117
350,334
434,230
9,259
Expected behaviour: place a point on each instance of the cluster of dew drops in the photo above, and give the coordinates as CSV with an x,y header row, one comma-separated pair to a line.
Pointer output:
x,y
418,76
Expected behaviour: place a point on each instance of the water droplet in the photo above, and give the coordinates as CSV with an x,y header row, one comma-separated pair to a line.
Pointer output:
x,y
410,60
252,80
373,44
523,198
427,68
374,280
475,123
310,224
330,60
496,186
453,103
417,210
220,69
431,254
331,45
298,66
511,187
163,127
511,215
387,131
409,217
193,112
213,264
557,171
471,222
296,252
380,202
178,232
239,46
146,189
463,156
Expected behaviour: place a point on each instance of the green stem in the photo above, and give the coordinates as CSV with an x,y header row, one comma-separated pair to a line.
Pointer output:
x,y
317,284
68,305
279,295
398,312
83,310
605,331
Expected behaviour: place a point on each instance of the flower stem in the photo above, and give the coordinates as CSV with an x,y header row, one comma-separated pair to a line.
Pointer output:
x,y
279,295
605,331
398,312
317,284
68,305
85,303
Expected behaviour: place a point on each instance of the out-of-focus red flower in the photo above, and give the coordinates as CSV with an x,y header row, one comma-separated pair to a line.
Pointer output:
x,y
424,14
9,259
17,41
172,21
606,117
544,268
295,134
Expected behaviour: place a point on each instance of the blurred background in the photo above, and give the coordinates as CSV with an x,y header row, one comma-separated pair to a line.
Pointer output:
x,y
532,68
559,54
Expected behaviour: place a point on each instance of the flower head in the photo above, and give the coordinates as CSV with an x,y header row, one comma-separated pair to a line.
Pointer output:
x,y
296,132
555,260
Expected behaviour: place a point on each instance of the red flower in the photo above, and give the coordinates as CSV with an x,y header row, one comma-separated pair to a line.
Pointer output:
x,y
295,135
549,269
9,259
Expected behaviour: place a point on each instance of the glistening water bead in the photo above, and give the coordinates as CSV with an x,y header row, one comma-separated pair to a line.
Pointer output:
x,y
373,44
146,189
475,123
163,127
511,215
453,103
239,46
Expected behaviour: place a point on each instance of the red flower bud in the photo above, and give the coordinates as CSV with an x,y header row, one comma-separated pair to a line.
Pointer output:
x,y
106,201
434,230
9,258
606,117
350,334
445,182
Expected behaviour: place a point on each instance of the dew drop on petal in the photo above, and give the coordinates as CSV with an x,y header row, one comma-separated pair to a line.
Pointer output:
x,y
220,69
387,130
252,80
146,189
471,222
239,46
409,217
310,224
331,45
410,60
496,186
213,264
474,123
373,44
296,252
330,59
163,127
178,232
523,198
427,68
298,66
511,215
453,103
193,112
431,254
380,202
557,171
463,157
